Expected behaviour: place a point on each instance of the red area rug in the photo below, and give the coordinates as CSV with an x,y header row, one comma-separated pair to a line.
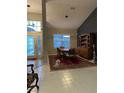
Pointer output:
x,y
68,63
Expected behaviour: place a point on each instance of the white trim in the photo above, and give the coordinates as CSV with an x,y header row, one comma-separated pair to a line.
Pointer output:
x,y
83,58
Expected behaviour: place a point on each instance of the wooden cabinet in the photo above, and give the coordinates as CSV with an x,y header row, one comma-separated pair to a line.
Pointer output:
x,y
86,40
85,48
85,52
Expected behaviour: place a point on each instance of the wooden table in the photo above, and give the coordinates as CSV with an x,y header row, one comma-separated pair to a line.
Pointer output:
x,y
65,49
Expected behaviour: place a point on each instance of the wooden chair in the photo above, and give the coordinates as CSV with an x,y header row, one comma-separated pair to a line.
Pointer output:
x,y
31,78
72,53
60,53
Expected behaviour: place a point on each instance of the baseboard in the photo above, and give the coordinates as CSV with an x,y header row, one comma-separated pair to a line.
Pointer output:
x,y
83,58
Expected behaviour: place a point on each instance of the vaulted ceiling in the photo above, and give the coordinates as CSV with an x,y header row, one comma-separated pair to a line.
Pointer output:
x,y
64,14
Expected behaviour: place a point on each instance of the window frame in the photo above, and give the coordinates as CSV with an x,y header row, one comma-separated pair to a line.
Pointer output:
x,y
37,26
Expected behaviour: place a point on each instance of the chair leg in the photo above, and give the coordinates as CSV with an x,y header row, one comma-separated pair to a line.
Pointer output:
x,y
37,89
37,79
30,89
36,84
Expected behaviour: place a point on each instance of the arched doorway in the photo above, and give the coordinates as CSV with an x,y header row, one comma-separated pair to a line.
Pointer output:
x,y
34,42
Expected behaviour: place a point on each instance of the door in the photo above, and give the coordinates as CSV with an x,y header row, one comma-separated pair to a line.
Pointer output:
x,y
30,46
34,39
34,45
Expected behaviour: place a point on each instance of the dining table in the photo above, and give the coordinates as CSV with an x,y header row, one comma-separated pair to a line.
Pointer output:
x,y
65,49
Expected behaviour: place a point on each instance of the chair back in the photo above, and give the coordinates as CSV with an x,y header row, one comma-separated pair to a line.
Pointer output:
x,y
72,51
31,68
58,51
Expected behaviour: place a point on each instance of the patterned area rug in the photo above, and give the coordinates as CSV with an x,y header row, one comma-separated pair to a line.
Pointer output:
x,y
68,63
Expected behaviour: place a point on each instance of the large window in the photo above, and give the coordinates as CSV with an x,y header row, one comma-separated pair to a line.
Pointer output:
x,y
33,26
30,46
61,40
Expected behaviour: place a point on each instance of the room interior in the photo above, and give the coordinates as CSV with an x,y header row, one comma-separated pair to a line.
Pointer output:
x,y
71,24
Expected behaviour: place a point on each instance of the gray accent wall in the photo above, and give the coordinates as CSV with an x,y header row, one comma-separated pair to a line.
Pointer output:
x,y
89,25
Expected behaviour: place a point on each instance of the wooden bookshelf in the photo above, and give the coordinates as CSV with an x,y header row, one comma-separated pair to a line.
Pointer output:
x,y
85,45
86,40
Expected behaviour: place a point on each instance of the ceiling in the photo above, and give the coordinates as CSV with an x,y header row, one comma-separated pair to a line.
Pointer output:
x,y
35,6
56,10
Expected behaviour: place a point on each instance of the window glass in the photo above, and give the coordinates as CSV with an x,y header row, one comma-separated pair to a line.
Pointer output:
x,y
61,40
33,26
38,23
30,46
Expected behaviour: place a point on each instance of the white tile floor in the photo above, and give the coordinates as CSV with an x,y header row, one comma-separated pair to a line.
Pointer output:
x,y
83,80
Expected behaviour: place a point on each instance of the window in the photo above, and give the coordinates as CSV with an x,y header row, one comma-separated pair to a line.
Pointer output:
x,y
33,26
61,40
39,45
30,45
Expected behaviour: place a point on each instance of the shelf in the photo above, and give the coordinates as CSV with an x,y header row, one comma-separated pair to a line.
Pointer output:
x,y
85,40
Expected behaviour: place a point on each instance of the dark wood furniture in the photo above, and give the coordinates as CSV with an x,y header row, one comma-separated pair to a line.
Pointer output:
x,y
64,49
85,52
86,40
85,46
66,53
72,53
60,53
31,78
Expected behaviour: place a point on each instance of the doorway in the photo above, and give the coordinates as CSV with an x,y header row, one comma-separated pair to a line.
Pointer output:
x,y
34,49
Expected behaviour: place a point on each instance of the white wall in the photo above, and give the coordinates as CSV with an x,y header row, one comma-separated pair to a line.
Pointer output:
x,y
34,16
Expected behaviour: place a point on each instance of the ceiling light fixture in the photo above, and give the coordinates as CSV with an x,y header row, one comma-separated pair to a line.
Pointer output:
x,y
28,5
66,16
